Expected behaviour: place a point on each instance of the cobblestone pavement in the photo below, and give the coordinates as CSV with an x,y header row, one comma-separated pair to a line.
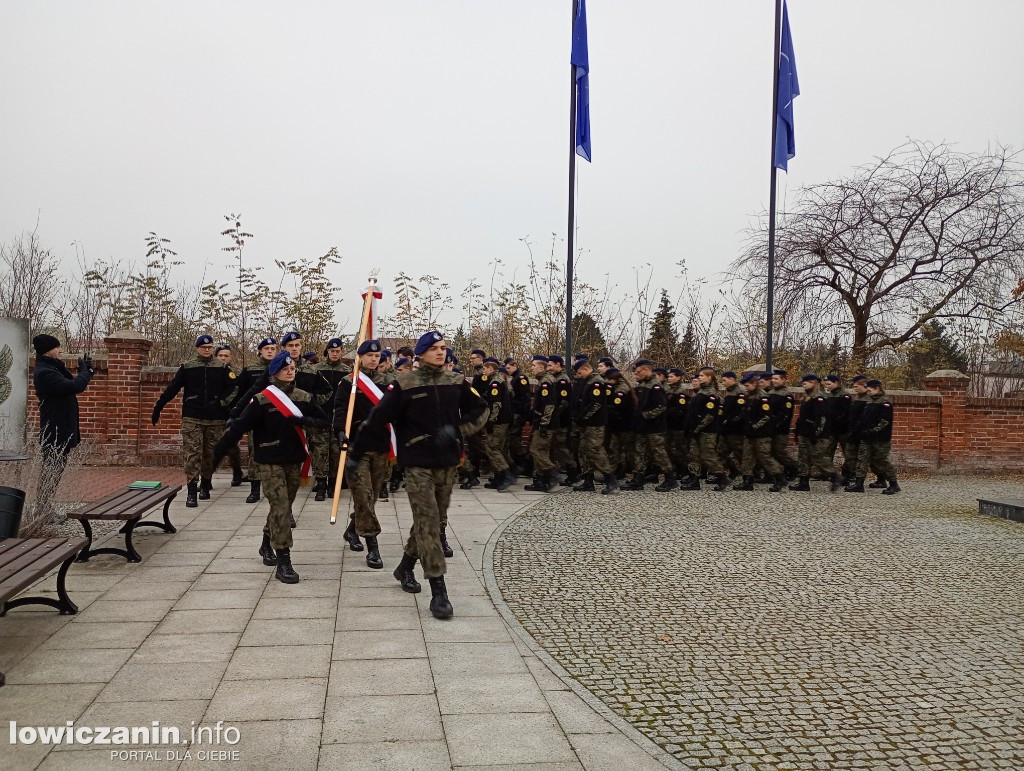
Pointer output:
x,y
799,630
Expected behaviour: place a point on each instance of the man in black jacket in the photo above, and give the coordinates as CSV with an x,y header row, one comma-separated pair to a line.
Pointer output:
x,y
590,413
650,426
431,412
56,389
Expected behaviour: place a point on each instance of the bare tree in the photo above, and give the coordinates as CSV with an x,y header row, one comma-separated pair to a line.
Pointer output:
x,y
925,233
29,280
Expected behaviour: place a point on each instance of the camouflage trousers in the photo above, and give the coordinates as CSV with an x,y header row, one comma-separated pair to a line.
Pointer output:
x,y
875,455
234,456
280,484
704,454
476,451
730,450
651,450
812,457
757,451
782,453
851,454
514,447
365,484
622,449
320,451
540,450
254,467
679,450
592,453
430,492
494,445
197,440
561,449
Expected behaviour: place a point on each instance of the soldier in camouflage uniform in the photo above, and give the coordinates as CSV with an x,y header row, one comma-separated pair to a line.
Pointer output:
x,y
327,454
365,477
561,429
730,437
544,417
759,427
703,420
519,386
875,429
812,430
621,437
431,411
224,354
782,408
278,438
590,413
495,391
249,377
209,387
675,419
838,409
858,402
650,427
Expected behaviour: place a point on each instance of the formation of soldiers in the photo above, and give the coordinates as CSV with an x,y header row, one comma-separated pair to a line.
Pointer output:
x,y
421,422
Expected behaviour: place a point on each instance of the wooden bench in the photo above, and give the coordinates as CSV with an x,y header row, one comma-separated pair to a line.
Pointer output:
x,y
1004,508
23,561
127,505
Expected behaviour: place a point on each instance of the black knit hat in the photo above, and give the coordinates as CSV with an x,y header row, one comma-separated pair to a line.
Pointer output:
x,y
44,344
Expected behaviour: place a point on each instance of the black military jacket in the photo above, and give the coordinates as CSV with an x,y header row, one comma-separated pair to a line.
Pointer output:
x,y
307,378
675,411
563,386
590,401
876,423
813,420
621,405
547,411
857,404
651,403
733,401
274,438
379,441
247,378
494,390
704,412
837,406
758,421
430,410
520,385
209,386
782,407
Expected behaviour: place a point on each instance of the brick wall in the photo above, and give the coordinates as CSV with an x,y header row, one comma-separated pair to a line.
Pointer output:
x,y
939,428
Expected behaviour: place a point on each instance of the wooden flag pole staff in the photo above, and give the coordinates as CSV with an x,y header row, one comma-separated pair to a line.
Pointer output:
x,y
339,478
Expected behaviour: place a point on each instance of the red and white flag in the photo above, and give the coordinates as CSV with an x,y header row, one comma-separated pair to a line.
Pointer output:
x,y
370,390
286,406
371,322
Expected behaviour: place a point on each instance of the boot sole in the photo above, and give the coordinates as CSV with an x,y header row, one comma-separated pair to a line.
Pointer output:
x,y
442,614
375,565
287,580
410,589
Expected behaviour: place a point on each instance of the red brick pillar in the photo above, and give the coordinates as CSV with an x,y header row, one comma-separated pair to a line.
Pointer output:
x,y
953,426
128,353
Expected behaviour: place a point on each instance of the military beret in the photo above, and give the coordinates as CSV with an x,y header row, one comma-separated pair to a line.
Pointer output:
x,y
557,360
611,371
265,342
402,363
308,355
509,360
538,357
584,362
676,371
810,376
660,371
873,383
478,352
221,347
289,336
749,376
385,355
368,346
780,372
729,373
334,342
832,378
579,356
858,378
427,340
606,360
707,367
492,360
278,363
643,363
204,340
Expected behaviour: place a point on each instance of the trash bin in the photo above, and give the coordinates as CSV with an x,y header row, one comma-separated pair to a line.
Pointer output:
x,y
12,503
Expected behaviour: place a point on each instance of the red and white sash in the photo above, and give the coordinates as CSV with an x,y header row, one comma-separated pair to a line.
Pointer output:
x,y
370,390
371,321
286,406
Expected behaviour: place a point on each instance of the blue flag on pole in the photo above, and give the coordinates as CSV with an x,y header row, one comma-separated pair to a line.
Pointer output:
x,y
580,58
789,89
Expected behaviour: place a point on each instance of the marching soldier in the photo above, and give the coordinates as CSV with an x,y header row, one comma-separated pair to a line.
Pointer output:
x,y
209,387
277,417
812,430
266,350
730,438
704,417
333,370
858,402
621,420
544,418
495,391
387,365
519,385
675,419
223,352
650,427
875,430
759,428
430,411
590,413
561,443
837,403
604,364
782,408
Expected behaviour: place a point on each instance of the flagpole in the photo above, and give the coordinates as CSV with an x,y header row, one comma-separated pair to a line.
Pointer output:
x,y
572,200
343,456
769,343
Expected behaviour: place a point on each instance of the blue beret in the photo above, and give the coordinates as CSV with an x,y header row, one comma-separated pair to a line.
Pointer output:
x,y
557,360
279,362
265,342
492,360
509,360
538,357
368,346
579,356
661,370
832,378
402,362
606,360
858,378
749,376
874,383
676,371
729,373
222,347
334,342
427,340
289,336
765,375
385,355
204,340
611,371
308,355
584,362
780,372
477,352
643,363
809,377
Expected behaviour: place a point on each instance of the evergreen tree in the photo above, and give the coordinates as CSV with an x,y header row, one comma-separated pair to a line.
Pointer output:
x,y
663,343
932,350
587,336
688,350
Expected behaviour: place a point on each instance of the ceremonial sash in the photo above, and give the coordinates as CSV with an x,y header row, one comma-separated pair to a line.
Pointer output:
x,y
286,406
370,390
371,319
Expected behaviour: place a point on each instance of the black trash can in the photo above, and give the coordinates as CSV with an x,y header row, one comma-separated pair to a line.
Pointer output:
x,y
12,504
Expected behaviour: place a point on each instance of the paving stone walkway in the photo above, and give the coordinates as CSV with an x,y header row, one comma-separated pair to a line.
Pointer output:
x,y
343,670
758,631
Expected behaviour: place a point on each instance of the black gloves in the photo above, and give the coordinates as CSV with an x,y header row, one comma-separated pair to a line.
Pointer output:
x,y
156,415
342,440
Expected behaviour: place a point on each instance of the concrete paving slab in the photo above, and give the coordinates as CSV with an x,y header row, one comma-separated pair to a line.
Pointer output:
x,y
397,644
88,665
45,703
524,738
380,677
164,682
258,700
611,752
115,611
202,621
169,714
362,719
277,631
280,662
474,658
489,693
296,607
124,634
384,619
206,647
218,599
271,744
386,756
470,629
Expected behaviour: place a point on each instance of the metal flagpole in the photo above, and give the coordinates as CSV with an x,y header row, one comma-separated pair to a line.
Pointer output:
x,y
572,200
769,343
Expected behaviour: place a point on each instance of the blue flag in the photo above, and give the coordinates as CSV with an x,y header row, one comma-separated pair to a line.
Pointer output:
x,y
581,59
789,89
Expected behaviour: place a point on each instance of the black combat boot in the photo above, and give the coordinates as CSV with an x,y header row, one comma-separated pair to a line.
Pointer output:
x,y
747,485
879,484
267,552
535,486
780,484
285,574
444,543
373,559
611,484
190,496
802,485
254,493
722,483
353,539
320,488
669,484
690,483
836,483
508,478
856,486
892,489
472,480
396,480
572,477
331,482
635,484
439,604
404,575
587,485
549,482
236,477
205,485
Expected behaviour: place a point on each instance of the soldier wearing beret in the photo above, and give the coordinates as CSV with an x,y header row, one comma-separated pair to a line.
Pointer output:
x,y
543,416
812,430
519,386
782,408
590,413
561,441
621,437
678,438
266,350
494,389
703,421
758,430
278,417
224,353
431,411
837,403
875,429
858,402
209,387
650,427
730,437
327,453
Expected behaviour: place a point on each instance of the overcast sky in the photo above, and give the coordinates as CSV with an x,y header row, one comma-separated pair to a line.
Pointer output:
x,y
431,136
